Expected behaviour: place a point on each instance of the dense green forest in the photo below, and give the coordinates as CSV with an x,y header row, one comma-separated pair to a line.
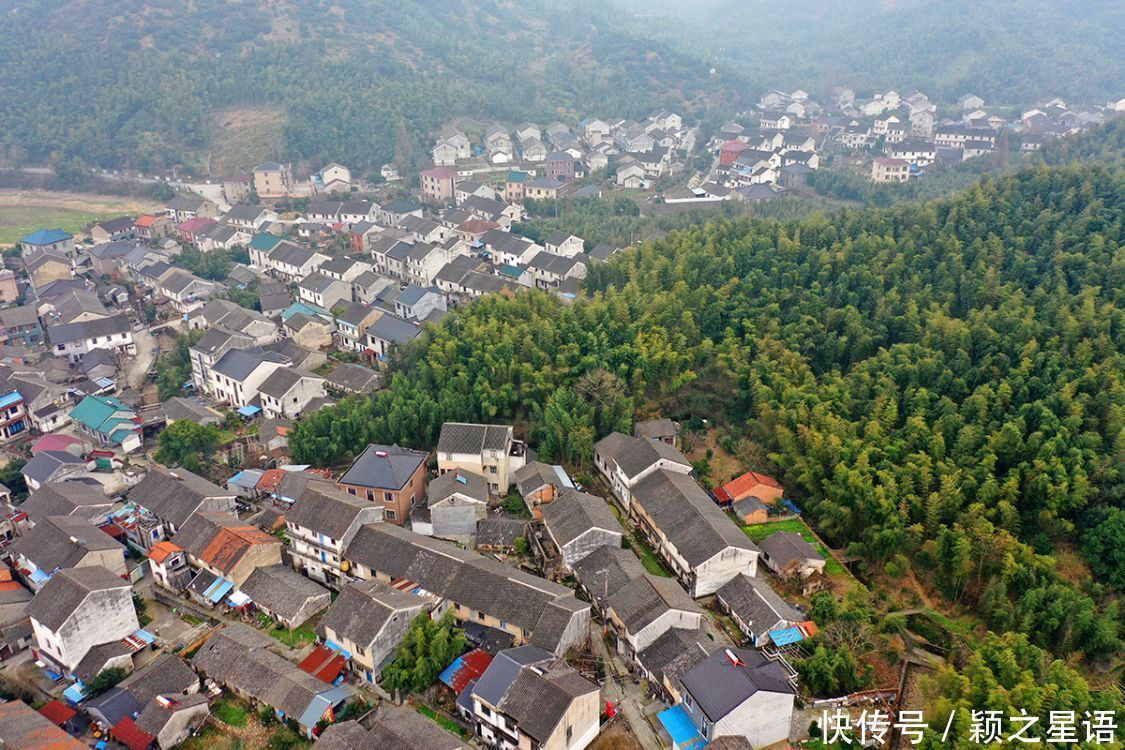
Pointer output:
x,y
1011,53
148,84
941,383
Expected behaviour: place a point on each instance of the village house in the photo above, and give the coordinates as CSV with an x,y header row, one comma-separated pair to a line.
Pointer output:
x,y
645,608
490,451
320,524
109,423
545,270
539,484
223,547
527,698
45,266
455,502
273,180
78,611
187,207
393,478
624,461
324,291
437,184
787,552
175,495
239,658
13,414
288,390
169,565
285,595
578,524
915,152
74,340
59,542
54,466
475,588
332,178
756,608
49,241
24,728
369,619
351,324
292,262
82,499
689,531
737,692
389,331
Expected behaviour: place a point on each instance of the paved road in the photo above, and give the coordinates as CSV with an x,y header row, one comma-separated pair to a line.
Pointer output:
x,y
136,371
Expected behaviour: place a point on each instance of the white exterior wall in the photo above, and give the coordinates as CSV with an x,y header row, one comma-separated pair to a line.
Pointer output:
x,y
103,617
763,719
712,574
672,618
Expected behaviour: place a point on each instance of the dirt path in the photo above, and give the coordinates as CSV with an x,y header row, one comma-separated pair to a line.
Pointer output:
x,y
137,370
86,202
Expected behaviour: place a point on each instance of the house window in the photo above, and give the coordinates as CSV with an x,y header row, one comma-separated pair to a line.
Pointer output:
x,y
388,497
389,514
371,496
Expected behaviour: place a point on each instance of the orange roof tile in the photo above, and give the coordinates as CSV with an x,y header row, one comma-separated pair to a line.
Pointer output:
x,y
740,486
231,543
271,479
145,221
161,550
57,713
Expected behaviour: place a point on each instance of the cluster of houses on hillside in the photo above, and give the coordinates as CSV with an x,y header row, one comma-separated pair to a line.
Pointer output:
x,y
551,158
911,136
401,534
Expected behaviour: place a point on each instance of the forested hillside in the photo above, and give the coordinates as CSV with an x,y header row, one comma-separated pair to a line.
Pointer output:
x,y
943,383
148,84
1008,52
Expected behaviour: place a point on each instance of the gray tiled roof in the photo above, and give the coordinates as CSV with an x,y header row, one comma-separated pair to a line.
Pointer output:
x,y
636,455
281,380
68,332
364,608
687,516
572,513
460,437
640,602
285,592
66,498
783,547
504,669
237,364
465,483
674,653
534,475
65,592
756,603
47,463
386,467
167,674
63,542
607,569
394,329
354,378
718,685
475,581
174,494
326,509
539,701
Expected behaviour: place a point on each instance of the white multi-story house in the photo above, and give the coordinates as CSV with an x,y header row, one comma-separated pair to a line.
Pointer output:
x,y
320,523
486,449
288,390
625,460
74,340
78,610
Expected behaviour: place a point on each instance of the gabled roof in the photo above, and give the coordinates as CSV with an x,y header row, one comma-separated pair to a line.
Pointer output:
x,y
285,592
394,329
61,596
783,547
462,437
719,684
24,728
46,464
62,542
167,674
65,498
364,608
643,600
327,510
174,494
69,332
465,483
221,540
756,603
282,380
574,513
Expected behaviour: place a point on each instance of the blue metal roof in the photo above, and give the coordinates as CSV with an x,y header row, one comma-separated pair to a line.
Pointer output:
x,y
249,411
681,729
10,399
218,589
46,237
786,636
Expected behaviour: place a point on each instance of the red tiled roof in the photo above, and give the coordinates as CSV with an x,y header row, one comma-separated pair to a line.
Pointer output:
x,y
477,226
193,225
129,734
113,530
10,586
58,713
145,221
160,551
271,479
324,664
231,543
441,173
740,486
734,146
